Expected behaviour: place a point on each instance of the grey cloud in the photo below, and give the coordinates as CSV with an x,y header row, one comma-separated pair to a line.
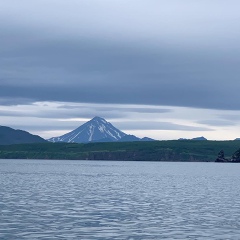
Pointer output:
x,y
121,109
50,127
146,110
196,65
192,21
138,78
40,128
70,111
11,113
124,126
15,101
62,114
217,122
139,125
230,117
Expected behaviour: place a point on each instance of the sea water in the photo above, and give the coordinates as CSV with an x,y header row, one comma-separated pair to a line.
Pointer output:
x,y
50,199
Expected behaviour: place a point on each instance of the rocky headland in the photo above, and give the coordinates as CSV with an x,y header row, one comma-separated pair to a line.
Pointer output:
x,y
234,159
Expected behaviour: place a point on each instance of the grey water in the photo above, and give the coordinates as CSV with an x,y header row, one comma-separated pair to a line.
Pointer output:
x,y
49,199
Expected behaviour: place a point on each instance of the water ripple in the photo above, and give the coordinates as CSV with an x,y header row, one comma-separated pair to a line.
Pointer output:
x,y
118,200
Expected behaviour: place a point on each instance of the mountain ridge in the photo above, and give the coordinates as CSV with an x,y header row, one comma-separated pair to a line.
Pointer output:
x,y
10,136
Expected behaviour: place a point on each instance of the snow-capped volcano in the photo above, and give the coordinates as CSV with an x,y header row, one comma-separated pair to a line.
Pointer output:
x,y
95,130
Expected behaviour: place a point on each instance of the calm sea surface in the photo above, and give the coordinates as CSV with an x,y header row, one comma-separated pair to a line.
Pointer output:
x,y
42,199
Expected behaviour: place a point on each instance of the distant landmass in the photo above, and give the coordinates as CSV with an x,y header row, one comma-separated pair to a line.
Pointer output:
x,y
237,139
97,130
199,139
183,151
11,136
132,138
195,139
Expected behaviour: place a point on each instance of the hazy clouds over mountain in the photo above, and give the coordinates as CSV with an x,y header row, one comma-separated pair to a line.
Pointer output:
x,y
163,53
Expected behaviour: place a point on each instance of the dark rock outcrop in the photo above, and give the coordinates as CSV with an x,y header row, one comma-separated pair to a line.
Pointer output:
x,y
221,157
234,159
236,156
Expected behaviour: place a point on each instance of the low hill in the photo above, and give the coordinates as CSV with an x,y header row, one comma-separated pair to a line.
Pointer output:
x,y
199,138
11,136
194,139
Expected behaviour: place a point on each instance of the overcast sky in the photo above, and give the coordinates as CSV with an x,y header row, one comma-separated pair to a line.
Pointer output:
x,y
162,69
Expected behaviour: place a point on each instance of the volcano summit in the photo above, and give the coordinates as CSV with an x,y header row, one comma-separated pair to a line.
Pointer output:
x,y
95,130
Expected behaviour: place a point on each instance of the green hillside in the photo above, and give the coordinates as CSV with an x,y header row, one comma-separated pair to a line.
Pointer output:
x,y
138,151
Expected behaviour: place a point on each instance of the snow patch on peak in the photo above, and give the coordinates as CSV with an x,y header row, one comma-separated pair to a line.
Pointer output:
x,y
101,128
91,132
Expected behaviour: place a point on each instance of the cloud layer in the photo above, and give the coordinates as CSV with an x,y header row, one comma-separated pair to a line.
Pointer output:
x,y
155,53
